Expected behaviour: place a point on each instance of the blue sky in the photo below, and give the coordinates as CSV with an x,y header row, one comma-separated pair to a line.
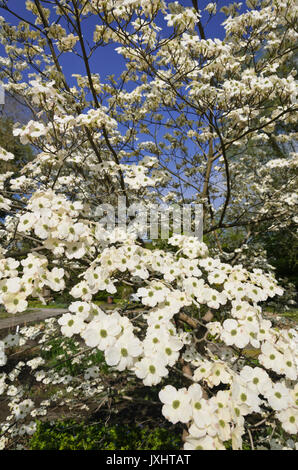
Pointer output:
x,y
106,61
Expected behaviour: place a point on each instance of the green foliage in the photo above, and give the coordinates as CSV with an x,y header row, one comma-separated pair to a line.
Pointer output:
x,y
69,435
282,252
64,297
23,153
39,304
124,291
231,239
100,296
60,354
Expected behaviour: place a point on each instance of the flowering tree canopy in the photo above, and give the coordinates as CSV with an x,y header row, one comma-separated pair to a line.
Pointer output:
x,y
188,120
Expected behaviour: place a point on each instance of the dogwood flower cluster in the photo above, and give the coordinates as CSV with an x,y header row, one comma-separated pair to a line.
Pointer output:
x,y
53,219
15,289
172,281
151,356
23,411
4,155
216,420
150,359
5,203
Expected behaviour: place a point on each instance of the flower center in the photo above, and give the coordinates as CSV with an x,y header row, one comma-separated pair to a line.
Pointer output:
x,y
176,404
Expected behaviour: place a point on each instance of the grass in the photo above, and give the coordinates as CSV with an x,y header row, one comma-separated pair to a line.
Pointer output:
x,y
35,304
4,314
39,304
278,311
32,304
291,315
53,304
